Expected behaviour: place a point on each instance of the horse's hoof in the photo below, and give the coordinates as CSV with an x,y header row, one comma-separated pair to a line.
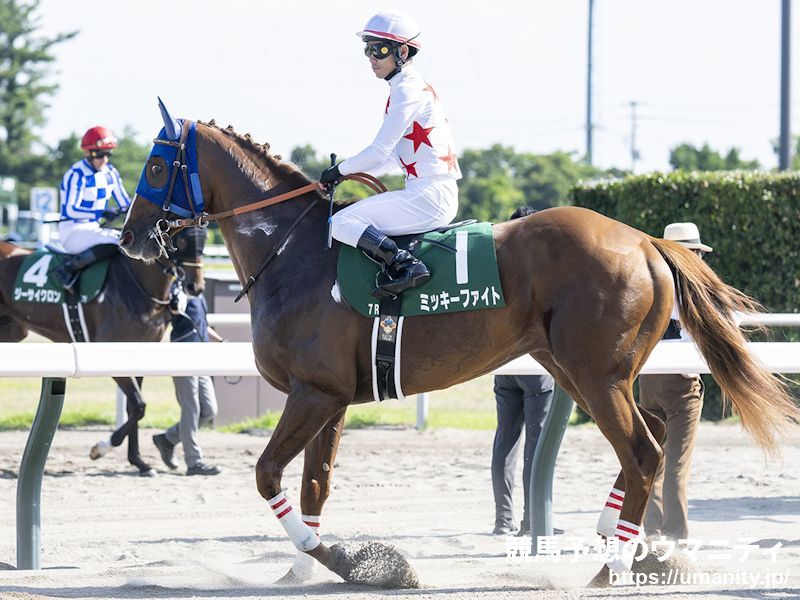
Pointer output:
x,y
148,472
373,564
99,450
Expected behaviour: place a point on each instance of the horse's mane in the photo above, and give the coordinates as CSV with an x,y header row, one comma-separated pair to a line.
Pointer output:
x,y
286,170
289,171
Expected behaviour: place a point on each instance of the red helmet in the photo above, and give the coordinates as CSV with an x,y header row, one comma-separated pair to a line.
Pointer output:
x,y
98,138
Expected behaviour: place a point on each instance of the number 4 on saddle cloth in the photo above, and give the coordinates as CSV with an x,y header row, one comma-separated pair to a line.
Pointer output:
x,y
464,276
34,283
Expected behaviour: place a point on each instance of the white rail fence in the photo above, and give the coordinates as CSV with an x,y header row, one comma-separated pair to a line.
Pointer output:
x,y
56,362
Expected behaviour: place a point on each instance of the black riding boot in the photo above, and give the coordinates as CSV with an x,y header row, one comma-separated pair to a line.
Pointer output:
x,y
404,270
67,274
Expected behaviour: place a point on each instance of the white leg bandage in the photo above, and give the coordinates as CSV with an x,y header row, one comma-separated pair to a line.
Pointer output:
x,y
621,558
304,564
303,537
607,523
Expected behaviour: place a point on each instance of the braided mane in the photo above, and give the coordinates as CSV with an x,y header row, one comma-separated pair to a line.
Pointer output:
x,y
286,170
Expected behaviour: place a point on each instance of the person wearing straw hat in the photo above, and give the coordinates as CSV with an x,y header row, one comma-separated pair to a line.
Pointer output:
x,y
678,401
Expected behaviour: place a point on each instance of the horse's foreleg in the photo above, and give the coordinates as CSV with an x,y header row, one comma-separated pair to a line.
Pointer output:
x,y
307,411
320,456
135,407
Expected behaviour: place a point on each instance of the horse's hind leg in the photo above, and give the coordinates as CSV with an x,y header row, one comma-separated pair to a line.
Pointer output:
x,y
610,515
320,456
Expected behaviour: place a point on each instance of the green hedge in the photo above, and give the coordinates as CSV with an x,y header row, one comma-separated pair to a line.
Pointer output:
x,y
751,219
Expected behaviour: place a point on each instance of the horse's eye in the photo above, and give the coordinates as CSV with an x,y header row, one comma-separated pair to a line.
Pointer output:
x,y
155,170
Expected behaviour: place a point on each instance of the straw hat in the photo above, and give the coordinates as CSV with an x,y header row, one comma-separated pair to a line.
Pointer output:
x,y
686,234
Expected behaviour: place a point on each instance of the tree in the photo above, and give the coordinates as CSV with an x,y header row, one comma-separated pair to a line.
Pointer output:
x,y
687,157
306,158
497,180
24,61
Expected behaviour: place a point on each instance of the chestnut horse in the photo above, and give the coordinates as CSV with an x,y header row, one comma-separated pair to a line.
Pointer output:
x,y
132,307
586,296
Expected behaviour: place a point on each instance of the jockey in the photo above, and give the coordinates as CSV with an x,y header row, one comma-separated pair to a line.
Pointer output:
x,y
415,135
85,191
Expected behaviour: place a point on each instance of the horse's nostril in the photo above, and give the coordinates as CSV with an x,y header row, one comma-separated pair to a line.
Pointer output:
x,y
126,239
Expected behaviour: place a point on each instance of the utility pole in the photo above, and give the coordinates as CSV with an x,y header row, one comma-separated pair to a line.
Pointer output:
x,y
784,154
634,151
589,124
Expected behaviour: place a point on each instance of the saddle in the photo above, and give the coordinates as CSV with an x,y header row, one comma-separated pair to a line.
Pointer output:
x,y
33,283
463,266
464,276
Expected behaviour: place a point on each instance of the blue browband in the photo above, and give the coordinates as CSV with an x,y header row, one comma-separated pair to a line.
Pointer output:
x,y
177,190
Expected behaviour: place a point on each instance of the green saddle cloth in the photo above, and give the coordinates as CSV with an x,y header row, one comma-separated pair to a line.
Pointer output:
x,y
34,284
466,279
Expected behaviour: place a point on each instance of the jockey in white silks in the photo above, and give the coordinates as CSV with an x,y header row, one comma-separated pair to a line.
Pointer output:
x,y
85,191
415,135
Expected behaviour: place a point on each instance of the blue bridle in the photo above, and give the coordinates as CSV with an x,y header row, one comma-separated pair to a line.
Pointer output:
x,y
170,177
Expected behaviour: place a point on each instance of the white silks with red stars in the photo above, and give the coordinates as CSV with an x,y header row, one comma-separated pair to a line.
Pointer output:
x,y
415,134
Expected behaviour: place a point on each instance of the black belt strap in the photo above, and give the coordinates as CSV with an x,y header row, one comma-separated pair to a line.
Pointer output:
x,y
74,316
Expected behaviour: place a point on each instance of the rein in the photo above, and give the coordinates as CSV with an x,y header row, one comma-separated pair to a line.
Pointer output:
x,y
164,229
171,270
371,182
203,220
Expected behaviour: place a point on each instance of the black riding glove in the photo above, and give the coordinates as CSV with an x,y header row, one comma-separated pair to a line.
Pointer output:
x,y
331,176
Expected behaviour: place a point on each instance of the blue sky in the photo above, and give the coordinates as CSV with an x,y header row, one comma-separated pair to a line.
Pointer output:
x,y
293,73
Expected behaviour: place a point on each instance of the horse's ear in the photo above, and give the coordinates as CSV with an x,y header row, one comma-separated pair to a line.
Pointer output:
x,y
171,126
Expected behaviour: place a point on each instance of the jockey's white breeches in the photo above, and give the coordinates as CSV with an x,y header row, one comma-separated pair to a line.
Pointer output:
x,y
423,205
76,236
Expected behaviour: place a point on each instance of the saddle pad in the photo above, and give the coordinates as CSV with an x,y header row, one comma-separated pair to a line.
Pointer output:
x,y
33,283
465,279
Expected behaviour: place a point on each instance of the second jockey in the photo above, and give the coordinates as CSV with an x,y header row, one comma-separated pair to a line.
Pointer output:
x,y
415,135
85,191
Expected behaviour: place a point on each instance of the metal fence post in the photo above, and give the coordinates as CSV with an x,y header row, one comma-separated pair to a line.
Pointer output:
x,y
31,470
422,411
544,464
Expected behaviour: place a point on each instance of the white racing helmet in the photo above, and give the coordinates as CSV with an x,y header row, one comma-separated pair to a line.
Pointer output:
x,y
392,25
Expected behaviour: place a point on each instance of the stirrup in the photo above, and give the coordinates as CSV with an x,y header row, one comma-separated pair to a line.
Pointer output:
x,y
384,290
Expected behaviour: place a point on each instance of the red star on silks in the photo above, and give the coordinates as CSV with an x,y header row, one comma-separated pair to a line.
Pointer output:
x,y
386,112
450,159
429,88
419,135
410,169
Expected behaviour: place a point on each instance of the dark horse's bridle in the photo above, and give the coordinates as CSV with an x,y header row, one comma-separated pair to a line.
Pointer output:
x,y
164,229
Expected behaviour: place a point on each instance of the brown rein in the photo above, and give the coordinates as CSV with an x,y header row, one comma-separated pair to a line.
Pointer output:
x,y
371,182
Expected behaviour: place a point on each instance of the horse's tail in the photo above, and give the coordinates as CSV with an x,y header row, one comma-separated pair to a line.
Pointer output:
x,y
707,306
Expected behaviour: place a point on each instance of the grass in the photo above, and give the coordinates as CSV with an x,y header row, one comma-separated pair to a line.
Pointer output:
x,y
90,401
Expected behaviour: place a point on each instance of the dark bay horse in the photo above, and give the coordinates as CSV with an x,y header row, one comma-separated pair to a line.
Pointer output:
x,y
132,307
586,296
